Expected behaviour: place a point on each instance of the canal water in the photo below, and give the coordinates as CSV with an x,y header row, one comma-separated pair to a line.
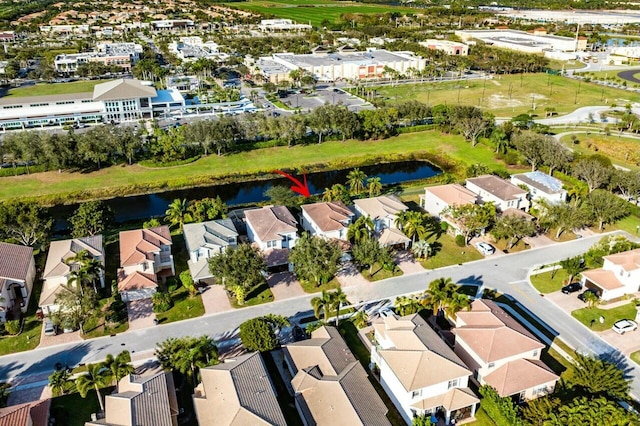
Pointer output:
x,y
146,206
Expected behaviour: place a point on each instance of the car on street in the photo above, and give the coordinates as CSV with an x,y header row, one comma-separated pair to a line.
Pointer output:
x,y
582,295
624,325
485,248
571,288
49,328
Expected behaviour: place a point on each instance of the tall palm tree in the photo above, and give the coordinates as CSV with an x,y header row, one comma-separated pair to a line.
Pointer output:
x,y
97,376
360,319
58,380
439,294
323,304
362,228
457,303
120,366
374,186
414,226
176,212
422,249
405,305
338,298
355,180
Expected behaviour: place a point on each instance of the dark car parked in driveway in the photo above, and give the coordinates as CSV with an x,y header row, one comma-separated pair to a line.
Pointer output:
x,y
571,288
299,333
581,296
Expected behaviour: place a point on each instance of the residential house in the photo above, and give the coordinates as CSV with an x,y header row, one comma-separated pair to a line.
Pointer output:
x,y
34,413
141,400
273,229
59,268
383,211
331,387
619,275
437,199
505,195
501,352
17,272
205,240
541,186
145,254
237,392
327,220
419,372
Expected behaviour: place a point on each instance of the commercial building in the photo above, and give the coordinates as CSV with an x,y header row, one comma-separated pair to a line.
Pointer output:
x,y
446,46
193,48
530,42
601,17
123,55
276,25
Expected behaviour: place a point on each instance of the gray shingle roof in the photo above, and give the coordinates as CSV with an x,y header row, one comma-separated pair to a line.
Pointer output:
x,y
211,234
15,261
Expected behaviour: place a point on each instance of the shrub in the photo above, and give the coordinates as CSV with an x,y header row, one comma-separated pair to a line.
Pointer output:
x,y
460,240
12,327
172,284
511,158
502,411
117,311
161,302
187,282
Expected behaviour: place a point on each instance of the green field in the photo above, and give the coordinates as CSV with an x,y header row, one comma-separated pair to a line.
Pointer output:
x,y
314,11
510,95
46,89
624,151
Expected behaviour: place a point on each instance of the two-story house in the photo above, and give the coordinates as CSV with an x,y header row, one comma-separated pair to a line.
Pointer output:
x,y
383,211
501,352
331,387
17,272
62,261
145,255
439,198
205,240
505,195
419,372
274,230
619,275
541,186
327,220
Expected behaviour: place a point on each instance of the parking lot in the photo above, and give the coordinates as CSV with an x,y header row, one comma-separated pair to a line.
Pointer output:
x,y
322,96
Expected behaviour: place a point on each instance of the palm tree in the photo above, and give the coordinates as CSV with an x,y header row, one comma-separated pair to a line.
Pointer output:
x,y
422,249
362,228
97,376
327,195
360,319
338,297
439,294
176,212
457,303
120,366
405,305
322,304
355,180
374,186
414,226
58,380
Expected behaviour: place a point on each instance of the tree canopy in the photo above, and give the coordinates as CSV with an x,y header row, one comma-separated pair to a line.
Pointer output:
x,y
315,260
261,333
91,218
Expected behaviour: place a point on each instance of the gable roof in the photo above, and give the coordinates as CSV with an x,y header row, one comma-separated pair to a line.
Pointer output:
x,y
628,260
15,261
603,278
28,414
497,187
453,399
453,194
328,216
237,392
518,375
122,89
60,251
492,334
139,245
136,281
381,207
392,236
541,181
212,234
326,349
271,222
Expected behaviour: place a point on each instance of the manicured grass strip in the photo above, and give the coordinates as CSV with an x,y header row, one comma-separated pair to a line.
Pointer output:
x,y
310,287
549,282
257,296
379,273
586,315
635,357
447,253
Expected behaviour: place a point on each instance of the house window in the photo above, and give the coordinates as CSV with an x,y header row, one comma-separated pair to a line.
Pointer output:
x,y
452,383
542,390
415,394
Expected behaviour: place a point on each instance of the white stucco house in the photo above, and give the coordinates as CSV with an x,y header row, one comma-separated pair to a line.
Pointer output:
x,y
384,211
274,230
17,272
541,186
419,372
619,275
505,195
439,198
327,220
205,240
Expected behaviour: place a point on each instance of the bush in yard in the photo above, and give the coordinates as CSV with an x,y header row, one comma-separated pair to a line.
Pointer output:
x,y
261,333
502,411
117,311
161,302
460,240
172,284
12,327
187,282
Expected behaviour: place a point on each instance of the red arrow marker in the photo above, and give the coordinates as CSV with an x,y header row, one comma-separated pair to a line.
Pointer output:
x,y
299,187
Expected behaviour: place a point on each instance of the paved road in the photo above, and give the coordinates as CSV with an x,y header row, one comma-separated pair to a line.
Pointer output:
x,y
507,274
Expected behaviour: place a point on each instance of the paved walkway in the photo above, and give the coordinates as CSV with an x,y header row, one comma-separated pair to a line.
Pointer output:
x,y
284,286
407,263
215,300
140,314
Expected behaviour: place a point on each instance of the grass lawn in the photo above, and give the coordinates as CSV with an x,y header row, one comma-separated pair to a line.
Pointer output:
x,y
31,332
566,235
54,88
184,307
73,410
257,296
545,284
510,95
122,180
621,150
501,245
482,419
379,273
629,224
556,64
449,253
310,287
635,357
585,315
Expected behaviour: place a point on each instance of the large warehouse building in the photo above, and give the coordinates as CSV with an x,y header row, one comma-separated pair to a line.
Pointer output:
x,y
531,42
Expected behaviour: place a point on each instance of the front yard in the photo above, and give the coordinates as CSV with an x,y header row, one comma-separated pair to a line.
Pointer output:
x,y
447,253
591,316
310,287
257,296
380,273
549,282
31,331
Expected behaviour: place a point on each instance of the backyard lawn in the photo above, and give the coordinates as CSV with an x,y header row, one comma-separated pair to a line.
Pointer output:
x,y
449,253
548,282
586,315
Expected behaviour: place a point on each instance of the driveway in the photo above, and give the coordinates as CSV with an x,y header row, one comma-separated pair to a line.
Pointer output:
x,y
140,314
627,343
284,286
566,302
215,300
538,241
59,339
349,276
407,263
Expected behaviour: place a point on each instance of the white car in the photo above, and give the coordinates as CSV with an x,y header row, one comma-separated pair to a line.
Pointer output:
x,y
49,328
485,248
624,325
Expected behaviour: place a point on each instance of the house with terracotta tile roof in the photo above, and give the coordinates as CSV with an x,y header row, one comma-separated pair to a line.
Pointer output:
x,y
493,189
274,230
58,268
419,372
383,211
439,198
327,220
331,386
205,240
145,254
501,352
17,272
619,275
141,400
34,413
237,392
